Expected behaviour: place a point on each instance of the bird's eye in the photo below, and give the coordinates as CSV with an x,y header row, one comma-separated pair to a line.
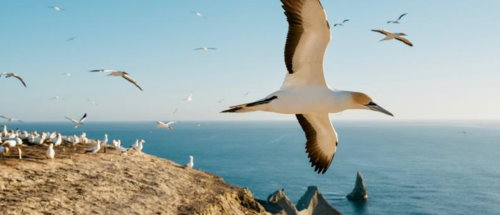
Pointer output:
x,y
371,104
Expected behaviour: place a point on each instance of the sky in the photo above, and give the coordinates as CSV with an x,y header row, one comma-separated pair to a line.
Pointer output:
x,y
452,72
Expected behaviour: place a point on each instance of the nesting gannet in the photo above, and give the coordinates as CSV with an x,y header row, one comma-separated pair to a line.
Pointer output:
x,y
397,20
10,119
191,163
9,74
397,36
94,149
342,23
167,125
304,91
11,143
57,140
50,152
205,49
77,123
116,73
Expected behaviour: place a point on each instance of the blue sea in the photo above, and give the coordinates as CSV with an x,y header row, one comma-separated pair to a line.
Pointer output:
x,y
409,167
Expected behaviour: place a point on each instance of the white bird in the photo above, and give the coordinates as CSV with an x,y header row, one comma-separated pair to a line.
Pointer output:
x,y
397,20
94,149
50,152
205,49
79,122
67,74
390,36
342,23
10,119
57,98
57,8
137,145
189,98
199,14
11,143
116,73
9,75
57,140
304,91
167,125
191,162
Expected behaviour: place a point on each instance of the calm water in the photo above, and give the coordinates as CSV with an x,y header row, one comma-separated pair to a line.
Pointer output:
x,y
409,167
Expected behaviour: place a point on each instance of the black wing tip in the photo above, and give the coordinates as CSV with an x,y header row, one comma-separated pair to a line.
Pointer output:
x,y
232,110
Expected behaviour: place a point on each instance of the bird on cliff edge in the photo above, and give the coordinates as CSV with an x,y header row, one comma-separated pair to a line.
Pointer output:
x,y
191,163
304,91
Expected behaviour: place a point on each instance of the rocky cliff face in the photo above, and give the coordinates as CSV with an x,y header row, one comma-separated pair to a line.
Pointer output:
x,y
111,183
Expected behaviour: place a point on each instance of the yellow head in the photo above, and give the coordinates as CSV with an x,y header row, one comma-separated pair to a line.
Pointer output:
x,y
363,101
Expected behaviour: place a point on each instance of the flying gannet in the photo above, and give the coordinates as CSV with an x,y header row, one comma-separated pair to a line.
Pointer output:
x,y
77,123
189,98
205,49
397,20
70,39
167,125
10,119
9,74
199,14
342,23
304,91
116,73
397,36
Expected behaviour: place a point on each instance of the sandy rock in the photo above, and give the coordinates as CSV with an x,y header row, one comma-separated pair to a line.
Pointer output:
x,y
111,183
359,192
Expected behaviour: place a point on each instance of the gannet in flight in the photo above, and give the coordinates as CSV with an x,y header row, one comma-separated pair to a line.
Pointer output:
x,y
189,98
67,74
10,119
397,20
205,49
167,125
9,74
77,123
199,14
57,8
117,73
397,36
57,98
70,39
191,163
304,91
341,24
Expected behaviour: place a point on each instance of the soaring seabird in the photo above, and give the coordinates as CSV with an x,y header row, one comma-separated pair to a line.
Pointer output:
x,y
205,49
304,91
167,125
397,36
341,24
57,8
9,74
117,73
79,122
397,20
10,119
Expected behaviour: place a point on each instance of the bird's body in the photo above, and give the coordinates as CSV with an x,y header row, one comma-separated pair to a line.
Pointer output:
x,y
50,152
9,75
167,125
205,49
10,119
117,73
190,164
304,91
94,149
390,36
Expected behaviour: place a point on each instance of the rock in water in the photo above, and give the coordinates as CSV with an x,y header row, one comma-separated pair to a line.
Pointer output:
x,y
311,203
359,192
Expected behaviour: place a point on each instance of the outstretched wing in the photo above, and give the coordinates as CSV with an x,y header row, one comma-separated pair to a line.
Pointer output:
x,y
20,79
131,80
72,120
404,40
321,138
307,39
84,117
384,32
402,15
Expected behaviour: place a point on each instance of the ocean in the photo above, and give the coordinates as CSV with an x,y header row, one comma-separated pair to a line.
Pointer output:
x,y
409,167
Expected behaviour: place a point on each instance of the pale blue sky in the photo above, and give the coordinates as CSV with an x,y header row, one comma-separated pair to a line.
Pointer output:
x,y
453,72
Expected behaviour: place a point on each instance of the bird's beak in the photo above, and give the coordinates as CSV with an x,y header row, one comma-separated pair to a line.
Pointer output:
x,y
374,107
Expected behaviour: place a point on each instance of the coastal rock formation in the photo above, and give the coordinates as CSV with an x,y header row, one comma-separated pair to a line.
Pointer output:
x,y
359,192
311,203
111,183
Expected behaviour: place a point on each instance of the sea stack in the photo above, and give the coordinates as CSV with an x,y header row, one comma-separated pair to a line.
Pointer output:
x,y
359,192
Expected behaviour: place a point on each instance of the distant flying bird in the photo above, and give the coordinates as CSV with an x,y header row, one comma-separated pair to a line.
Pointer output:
x,y
71,39
205,49
9,74
397,36
78,123
10,119
304,91
57,98
246,94
397,20
191,163
57,8
117,73
341,24
220,101
167,125
189,98
67,74
175,111
199,14
92,102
